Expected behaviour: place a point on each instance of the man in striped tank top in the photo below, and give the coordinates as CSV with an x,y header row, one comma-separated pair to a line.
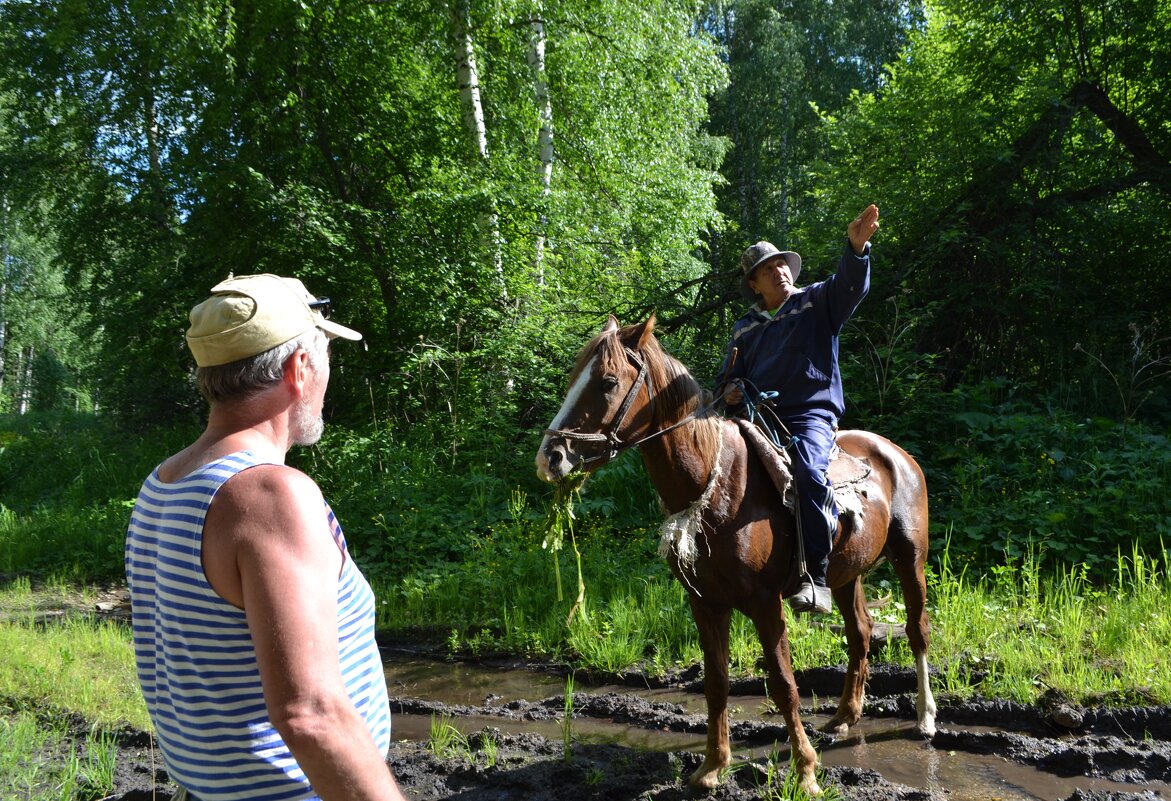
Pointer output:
x,y
253,629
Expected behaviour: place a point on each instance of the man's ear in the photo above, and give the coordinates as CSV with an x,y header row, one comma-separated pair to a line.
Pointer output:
x,y
296,370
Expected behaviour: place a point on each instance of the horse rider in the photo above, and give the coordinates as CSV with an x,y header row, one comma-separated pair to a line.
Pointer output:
x,y
787,344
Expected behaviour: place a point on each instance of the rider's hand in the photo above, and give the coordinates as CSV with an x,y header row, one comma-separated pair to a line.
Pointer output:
x,y
733,396
862,228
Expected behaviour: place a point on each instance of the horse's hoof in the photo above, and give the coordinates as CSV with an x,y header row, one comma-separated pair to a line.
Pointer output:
x,y
837,729
704,779
927,729
839,725
811,787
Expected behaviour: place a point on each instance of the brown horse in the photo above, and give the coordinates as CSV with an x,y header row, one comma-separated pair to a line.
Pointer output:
x,y
625,391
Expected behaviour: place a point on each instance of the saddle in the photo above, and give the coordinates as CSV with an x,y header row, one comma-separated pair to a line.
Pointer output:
x,y
846,472
679,534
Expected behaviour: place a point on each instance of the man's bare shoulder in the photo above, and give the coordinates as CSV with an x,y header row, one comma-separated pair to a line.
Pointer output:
x,y
267,527
278,481
265,498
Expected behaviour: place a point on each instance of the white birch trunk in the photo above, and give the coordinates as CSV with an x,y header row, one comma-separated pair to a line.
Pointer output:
x,y
469,92
154,159
537,40
26,381
469,78
3,315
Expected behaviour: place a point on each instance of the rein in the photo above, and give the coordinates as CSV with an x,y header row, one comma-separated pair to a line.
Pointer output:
x,y
611,437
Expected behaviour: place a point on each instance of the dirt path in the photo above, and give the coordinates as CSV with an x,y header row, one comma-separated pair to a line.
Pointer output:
x,y
1127,745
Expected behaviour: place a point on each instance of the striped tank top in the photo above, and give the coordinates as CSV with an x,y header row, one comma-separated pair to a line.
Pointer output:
x,y
195,659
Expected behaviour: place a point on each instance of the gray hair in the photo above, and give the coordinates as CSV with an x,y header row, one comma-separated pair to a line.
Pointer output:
x,y
246,377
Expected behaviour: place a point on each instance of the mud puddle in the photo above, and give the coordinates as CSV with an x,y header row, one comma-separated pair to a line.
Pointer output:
x,y
985,750
635,742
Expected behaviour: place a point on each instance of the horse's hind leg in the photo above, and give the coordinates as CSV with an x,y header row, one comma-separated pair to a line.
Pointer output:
x,y
713,638
782,689
908,558
851,601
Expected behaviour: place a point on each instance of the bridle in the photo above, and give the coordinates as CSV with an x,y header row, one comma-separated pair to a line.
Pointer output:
x,y
610,437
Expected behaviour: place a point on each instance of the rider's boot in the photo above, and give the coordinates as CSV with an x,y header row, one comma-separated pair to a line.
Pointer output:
x,y
812,596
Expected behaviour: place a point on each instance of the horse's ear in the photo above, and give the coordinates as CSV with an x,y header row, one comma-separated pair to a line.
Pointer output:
x,y
611,325
647,331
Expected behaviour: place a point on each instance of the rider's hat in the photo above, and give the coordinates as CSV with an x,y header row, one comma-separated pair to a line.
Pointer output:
x,y
757,255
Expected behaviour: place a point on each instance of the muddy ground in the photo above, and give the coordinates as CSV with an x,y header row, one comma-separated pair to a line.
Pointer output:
x,y
1122,744
1116,741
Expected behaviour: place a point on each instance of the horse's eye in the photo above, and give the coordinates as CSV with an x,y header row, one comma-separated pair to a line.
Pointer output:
x,y
609,383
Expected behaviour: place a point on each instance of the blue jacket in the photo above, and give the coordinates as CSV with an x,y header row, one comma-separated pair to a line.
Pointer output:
x,y
795,352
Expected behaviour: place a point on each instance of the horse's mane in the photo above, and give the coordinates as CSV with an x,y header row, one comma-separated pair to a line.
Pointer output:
x,y
676,392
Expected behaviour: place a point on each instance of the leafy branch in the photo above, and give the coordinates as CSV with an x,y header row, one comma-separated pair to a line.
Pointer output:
x,y
1148,363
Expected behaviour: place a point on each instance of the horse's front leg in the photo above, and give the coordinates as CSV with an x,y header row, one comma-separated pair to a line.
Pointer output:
x,y
851,601
712,624
782,689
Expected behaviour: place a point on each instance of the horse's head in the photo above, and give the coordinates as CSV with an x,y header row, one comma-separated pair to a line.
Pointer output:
x,y
608,405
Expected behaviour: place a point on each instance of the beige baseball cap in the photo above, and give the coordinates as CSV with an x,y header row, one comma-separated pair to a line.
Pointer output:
x,y
253,313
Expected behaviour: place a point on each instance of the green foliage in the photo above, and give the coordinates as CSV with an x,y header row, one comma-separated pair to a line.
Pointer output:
x,y
1021,163
68,481
170,148
1006,477
1013,340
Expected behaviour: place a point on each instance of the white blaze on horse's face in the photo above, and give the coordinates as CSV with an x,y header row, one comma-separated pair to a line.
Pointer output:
x,y
554,460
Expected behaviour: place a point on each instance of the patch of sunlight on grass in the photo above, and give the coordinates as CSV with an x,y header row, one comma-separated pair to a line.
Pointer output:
x,y
1019,633
74,663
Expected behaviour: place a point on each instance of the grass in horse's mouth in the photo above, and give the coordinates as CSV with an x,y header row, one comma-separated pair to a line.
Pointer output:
x,y
558,522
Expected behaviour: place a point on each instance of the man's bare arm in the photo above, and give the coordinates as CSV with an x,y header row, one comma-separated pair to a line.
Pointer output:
x,y
273,519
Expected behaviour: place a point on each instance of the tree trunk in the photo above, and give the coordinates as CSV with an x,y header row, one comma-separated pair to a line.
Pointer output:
x,y
3,311
4,233
155,161
25,389
537,41
469,78
469,92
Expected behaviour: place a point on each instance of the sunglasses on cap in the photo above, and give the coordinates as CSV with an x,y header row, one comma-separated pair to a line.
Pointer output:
x,y
322,306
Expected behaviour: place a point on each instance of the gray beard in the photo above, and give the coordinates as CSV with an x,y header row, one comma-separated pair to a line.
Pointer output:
x,y
307,427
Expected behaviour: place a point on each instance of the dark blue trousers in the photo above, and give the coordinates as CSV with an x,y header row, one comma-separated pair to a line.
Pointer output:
x,y
815,493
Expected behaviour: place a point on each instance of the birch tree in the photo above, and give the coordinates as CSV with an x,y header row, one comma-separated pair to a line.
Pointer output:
x,y
536,59
469,91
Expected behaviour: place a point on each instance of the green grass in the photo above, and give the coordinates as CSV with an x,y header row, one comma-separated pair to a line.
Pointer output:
x,y
70,662
1017,633
26,773
446,741
776,781
567,718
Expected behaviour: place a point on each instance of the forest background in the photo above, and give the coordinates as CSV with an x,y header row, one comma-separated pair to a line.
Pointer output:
x,y
476,186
